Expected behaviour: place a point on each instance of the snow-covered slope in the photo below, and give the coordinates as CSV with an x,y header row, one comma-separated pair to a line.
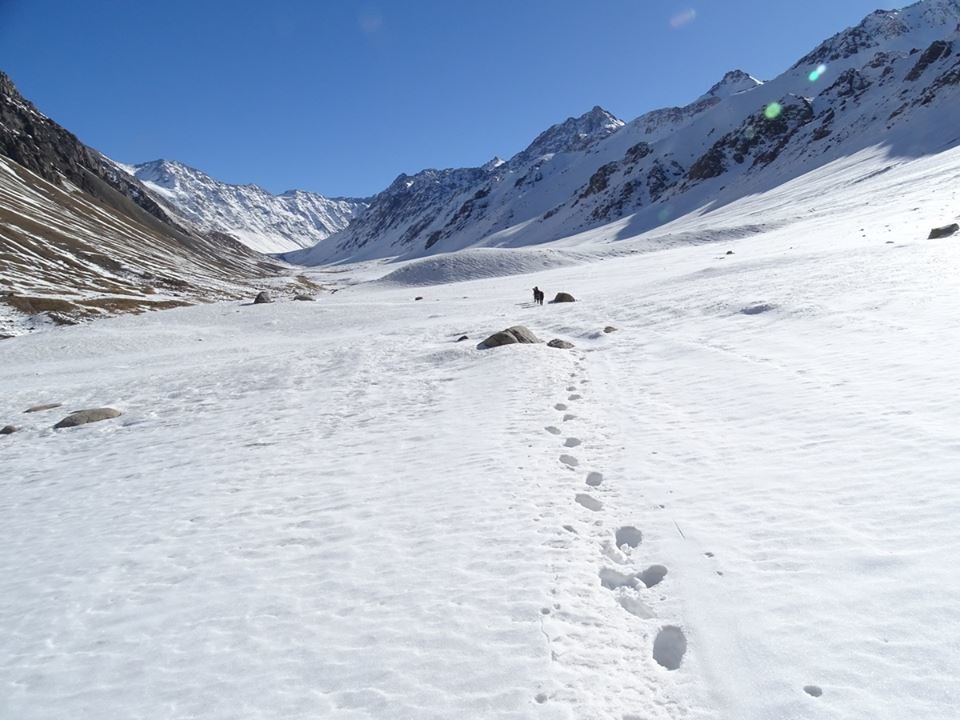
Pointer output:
x,y
80,239
891,80
335,510
260,220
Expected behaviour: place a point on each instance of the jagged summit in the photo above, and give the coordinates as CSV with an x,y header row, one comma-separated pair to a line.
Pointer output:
x,y
574,133
261,220
913,27
733,82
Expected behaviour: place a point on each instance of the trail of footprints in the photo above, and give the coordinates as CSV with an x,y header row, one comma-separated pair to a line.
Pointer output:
x,y
670,642
629,584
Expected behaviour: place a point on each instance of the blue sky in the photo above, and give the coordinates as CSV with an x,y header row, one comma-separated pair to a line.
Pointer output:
x,y
340,96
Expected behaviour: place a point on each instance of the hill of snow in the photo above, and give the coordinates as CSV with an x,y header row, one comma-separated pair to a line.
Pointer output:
x,y
260,220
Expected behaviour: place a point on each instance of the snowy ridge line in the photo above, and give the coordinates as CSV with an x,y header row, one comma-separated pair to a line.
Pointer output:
x,y
870,86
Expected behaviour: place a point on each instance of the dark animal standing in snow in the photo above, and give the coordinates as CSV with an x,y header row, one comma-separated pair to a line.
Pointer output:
x,y
538,296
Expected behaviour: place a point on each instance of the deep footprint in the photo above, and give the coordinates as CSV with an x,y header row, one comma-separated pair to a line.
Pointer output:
x,y
611,579
569,460
574,397
560,406
590,503
594,479
653,575
670,647
572,442
552,430
813,691
628,535
568,417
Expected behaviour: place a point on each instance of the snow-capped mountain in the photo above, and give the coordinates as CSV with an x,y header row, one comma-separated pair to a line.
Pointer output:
x,y
262,221
890,80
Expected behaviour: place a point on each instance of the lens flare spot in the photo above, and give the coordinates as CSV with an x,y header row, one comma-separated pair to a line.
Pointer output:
x,y
817,73
750,133
665,213
773,111
683,18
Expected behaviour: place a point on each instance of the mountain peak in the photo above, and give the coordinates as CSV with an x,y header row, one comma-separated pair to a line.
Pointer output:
x,y
733,82
914,26
574,133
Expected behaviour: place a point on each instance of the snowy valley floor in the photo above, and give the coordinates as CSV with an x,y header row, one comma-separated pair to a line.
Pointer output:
x,y
334,510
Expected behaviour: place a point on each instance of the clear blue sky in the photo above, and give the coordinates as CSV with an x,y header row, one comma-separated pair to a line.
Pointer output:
x,y
340,96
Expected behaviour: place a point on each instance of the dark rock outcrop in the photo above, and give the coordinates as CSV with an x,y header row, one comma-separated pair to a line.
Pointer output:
x,y
262,297
943,232
8,429
563,297
510,336
83,417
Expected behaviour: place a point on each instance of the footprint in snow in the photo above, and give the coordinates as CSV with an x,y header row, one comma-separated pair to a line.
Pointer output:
x,y
560,406
574,397
613,579
594,479
589,502
552,430
568,417
813,690
628,535
653,575
569,460
670,647
572,442
571,388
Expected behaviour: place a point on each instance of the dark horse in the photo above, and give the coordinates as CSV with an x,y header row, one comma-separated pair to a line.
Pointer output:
x,y
538,296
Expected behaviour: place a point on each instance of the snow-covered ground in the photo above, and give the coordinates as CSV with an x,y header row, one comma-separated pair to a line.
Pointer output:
x,y
335,510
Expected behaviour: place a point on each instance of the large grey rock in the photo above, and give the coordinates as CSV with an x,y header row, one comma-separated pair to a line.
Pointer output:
x,y
262,297
41,408
305,298
8,429
82,417
560,344
510,336
564,297
943,232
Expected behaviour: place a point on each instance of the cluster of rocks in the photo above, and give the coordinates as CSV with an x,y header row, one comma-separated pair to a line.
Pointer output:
x,y
74,419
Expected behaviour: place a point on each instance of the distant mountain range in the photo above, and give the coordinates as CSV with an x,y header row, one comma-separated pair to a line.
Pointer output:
x,y
75,222
260,220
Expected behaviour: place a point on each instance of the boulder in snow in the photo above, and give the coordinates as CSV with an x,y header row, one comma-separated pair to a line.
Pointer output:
x,y
563,297
8,429
82,417
41,408
560,344
609,329
305,298
943,232
262,297
510,336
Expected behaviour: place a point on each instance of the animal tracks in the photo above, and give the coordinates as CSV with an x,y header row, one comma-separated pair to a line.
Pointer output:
x,y
571,442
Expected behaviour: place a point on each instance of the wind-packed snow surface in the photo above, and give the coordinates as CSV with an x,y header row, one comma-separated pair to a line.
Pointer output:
x,y
335,510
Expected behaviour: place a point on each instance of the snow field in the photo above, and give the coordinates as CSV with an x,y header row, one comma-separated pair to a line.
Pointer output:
x,y
333,509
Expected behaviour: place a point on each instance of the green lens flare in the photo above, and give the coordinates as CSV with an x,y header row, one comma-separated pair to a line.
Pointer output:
x,y
818,73
773,111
